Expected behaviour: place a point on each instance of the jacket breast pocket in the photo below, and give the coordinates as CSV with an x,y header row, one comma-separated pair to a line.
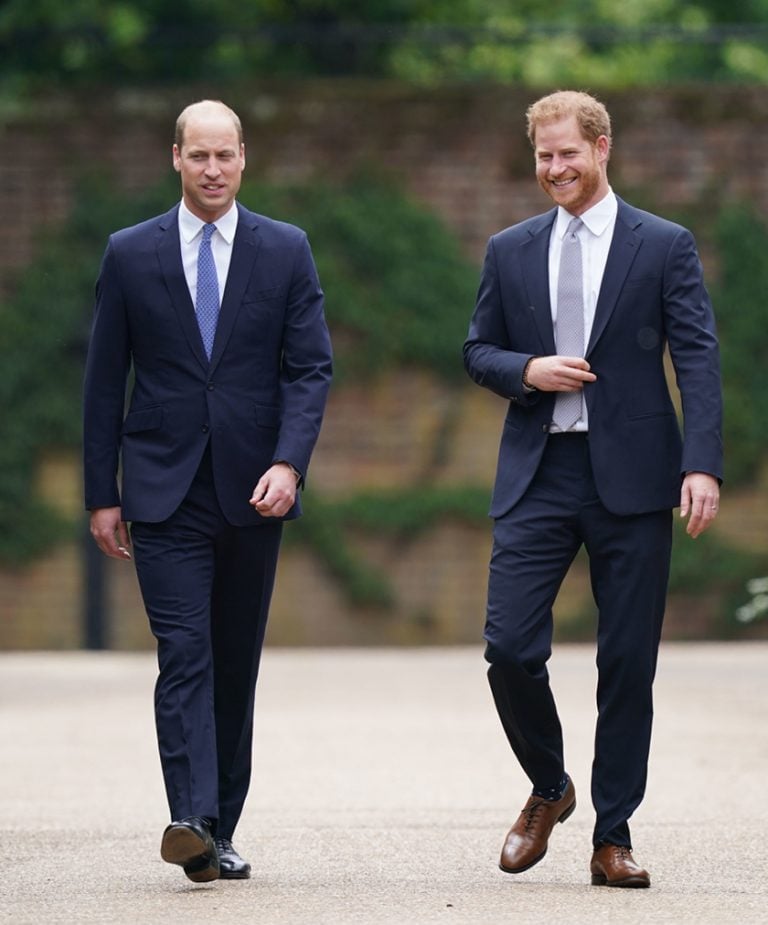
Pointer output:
x,y
261,295
638,412
646,286
143,419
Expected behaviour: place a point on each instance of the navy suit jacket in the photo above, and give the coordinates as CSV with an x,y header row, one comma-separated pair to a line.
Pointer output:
x,y
260,399
652,296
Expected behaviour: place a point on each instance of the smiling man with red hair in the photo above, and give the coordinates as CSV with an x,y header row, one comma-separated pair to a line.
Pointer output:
x,y
575,310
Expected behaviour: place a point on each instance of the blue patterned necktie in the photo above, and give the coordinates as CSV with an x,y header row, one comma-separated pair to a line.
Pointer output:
x,y
569,334
207,301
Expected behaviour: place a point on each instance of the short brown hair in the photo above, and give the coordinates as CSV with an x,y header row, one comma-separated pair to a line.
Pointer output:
x,y
181,122
591,114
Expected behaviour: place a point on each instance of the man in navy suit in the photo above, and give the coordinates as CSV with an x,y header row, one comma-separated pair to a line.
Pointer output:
x,y
591,453
218,311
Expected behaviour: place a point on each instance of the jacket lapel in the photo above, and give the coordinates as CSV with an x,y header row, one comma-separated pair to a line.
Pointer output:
x,y
535,268
245,247
169,255
624,248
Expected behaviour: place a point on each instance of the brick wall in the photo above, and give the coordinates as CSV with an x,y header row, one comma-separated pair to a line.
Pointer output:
x,y
461,150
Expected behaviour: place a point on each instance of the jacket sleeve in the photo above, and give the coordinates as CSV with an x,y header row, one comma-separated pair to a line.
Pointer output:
x,y
693,347
106,373
306,366
489,358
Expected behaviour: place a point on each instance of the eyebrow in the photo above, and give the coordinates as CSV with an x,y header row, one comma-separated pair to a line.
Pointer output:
x,y
566,149
203,150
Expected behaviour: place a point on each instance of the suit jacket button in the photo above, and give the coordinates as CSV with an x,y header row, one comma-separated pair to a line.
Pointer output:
x,y
205,428
210,386
545,428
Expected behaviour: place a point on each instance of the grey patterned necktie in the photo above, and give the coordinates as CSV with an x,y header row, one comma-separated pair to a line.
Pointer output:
x,y
207,300
569,330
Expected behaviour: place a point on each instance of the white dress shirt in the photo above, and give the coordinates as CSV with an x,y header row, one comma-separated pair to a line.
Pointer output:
x,y
595,235
190,232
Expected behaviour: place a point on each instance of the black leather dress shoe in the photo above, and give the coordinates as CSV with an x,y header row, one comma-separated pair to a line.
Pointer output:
x,y
231,865
189,844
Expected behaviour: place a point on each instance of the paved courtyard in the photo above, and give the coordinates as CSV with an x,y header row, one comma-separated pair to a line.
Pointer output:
x,y
381,793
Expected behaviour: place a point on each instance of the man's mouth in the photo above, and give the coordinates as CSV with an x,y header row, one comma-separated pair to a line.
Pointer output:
x,y
560,184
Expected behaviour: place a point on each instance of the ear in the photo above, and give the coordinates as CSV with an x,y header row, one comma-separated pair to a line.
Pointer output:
x,y
603,148
176,158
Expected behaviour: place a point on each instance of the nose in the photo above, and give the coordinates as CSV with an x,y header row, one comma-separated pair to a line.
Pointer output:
x,y
212,167
557,165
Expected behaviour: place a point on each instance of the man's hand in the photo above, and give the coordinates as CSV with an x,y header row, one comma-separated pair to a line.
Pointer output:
x,y
699,497
558,374
111,532
275,492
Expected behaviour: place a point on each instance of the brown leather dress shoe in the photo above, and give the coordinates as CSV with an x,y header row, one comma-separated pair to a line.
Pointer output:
x,y
613,865
189,844
526,842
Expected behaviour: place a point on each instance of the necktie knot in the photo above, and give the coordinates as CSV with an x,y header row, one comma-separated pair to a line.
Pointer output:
x,y
208,230
573,227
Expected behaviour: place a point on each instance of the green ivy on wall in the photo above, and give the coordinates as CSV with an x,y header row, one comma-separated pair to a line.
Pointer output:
x,y
398,290
402,514
740,237
398,294
43,336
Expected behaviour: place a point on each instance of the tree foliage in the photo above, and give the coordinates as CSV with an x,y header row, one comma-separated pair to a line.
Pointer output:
x,y
589,42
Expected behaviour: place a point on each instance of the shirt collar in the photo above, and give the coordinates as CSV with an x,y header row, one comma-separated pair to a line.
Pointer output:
x,y
596,219
190,225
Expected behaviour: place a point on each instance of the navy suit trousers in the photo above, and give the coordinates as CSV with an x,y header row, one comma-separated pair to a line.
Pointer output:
x,y
534,545
207,587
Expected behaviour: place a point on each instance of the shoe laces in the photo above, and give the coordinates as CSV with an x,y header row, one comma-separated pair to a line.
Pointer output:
x,y
223,844
531,813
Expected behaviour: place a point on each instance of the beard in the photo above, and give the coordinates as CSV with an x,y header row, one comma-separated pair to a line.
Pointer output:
x,y
578,196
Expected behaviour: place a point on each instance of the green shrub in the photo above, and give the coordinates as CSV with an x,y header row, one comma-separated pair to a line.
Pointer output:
x,y
741,300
